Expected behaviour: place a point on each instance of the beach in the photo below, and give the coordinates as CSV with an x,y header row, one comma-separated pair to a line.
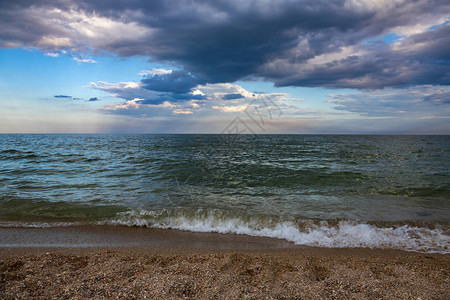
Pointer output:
x,y
180,264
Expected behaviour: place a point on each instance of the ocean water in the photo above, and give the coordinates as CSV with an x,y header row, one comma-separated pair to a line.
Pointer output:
x,y
317,190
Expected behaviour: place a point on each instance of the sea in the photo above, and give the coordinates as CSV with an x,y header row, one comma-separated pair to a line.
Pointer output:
x,y
346,191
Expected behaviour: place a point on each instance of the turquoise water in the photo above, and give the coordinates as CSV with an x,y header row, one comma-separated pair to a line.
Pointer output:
x,y
322,190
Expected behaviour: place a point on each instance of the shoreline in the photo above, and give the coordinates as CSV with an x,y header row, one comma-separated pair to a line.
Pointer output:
x,y
176,264
118,236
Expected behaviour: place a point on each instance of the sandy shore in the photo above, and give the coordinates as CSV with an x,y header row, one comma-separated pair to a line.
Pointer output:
x,y
203,271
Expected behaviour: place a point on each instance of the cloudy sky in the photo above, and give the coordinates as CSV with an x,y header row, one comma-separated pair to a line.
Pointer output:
x,y
173,66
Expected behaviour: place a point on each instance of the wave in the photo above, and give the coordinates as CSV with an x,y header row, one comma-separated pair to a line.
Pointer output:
x,y
340,234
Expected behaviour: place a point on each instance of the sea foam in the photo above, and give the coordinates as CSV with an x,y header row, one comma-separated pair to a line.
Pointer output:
x,y
341,234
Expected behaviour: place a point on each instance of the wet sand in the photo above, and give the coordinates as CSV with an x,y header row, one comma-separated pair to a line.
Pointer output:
x,y
75,263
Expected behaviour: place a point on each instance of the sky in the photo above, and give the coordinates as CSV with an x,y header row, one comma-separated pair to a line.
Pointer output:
x,y
255,67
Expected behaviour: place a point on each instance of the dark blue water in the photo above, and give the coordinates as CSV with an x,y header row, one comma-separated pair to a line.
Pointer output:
x,y
325,190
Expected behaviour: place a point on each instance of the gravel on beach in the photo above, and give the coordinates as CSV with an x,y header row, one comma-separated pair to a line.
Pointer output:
x,y
158,273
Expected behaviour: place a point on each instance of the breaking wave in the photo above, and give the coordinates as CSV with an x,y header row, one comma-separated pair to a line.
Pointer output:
x,y
330,234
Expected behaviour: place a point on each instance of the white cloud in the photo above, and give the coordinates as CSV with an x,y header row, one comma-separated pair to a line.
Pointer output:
x,y
194,104
155,72
139,100
54,42
84,60
136,104
236,108
182,112
132,104
197,92
125,90
102,85
56,54
219,90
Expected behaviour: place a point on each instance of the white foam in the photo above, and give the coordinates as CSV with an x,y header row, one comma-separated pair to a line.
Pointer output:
x,y
344,234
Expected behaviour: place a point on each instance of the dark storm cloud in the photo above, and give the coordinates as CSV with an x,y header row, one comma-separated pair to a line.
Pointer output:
x,y
225,41
419,59
93,99
177,82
